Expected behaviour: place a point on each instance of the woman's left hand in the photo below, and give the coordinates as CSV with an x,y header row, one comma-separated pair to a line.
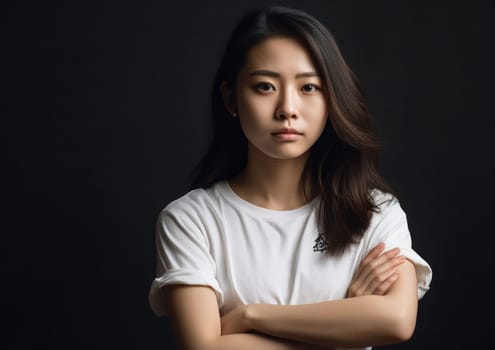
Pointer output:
x,y
376,273
235,321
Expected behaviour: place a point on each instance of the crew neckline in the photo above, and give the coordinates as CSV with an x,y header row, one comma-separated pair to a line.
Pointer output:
x,y
238,201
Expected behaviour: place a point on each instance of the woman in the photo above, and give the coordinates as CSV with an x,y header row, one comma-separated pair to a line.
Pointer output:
x,y
279,242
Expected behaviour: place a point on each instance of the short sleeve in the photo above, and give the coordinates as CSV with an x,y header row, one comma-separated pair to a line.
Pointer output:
x,y
390,227
182,256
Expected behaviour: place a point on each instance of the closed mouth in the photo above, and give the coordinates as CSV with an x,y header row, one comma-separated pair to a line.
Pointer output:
x,y
288,131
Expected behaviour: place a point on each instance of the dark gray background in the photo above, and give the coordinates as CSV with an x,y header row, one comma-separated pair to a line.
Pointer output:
x,y
106,114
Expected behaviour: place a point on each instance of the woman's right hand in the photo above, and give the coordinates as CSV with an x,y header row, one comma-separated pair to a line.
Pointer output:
x,y
376,273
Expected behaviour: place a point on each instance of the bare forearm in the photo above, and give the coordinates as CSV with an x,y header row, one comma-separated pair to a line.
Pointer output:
x,y
249,341
353,322
369,320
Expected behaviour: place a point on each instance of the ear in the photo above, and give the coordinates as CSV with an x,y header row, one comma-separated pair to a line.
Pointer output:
x,y
228,96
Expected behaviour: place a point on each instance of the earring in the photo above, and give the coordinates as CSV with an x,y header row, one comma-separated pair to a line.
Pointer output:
x,y
234,114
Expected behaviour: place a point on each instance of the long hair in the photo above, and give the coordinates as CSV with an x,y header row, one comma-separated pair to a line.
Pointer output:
x,y
343,163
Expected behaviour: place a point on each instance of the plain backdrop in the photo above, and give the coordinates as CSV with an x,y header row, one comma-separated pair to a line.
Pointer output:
x,y
106,114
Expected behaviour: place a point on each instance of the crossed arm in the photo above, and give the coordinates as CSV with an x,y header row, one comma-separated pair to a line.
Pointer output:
x,y
367,317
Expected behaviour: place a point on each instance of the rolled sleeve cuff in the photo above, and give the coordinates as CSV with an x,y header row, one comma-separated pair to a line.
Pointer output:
x,y
423,270
180,276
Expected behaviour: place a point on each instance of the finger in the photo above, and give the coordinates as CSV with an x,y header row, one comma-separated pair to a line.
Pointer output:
x,y
381,283
391,253
371,268
372,265
381,272
374,261
367,265
380,265
385,286
365,284
357,289
373,254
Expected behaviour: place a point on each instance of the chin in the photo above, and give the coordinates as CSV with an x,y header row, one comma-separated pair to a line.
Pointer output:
x,y
286,155
280,151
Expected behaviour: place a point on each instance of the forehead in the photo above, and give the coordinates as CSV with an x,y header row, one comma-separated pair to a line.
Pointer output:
x,y
280,54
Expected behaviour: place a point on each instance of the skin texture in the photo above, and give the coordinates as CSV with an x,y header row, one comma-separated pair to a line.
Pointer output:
x,y
209,330
353,322
376,273
202,330
381,304
267,103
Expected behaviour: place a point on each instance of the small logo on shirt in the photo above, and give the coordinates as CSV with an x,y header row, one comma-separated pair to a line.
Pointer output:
x,y
320,244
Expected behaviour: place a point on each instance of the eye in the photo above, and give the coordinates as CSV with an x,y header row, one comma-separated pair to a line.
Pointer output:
x,y
265,87
310,88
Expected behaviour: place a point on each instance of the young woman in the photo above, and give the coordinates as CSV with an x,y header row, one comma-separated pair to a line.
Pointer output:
x,y
289,237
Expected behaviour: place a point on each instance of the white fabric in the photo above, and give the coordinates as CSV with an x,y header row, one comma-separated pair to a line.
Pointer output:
x,y
249,254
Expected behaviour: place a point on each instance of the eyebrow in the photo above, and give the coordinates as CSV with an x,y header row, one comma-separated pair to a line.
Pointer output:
x,y
270,73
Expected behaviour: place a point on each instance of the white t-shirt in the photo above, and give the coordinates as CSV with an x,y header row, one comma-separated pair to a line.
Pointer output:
x,y
249,254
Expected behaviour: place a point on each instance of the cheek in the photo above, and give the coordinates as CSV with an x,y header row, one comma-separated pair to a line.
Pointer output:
x,y
251,102
254,112
317,106
323,123
317,115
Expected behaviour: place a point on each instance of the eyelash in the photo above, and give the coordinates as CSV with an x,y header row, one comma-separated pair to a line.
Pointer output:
x,y
316,87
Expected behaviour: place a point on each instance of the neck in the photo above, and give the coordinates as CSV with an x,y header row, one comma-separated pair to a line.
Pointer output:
x,y
272,183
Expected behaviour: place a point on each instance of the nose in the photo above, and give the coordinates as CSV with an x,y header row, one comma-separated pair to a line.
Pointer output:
x,y
286,108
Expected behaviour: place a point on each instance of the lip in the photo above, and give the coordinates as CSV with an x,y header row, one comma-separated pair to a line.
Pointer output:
x,y
288,131
287,134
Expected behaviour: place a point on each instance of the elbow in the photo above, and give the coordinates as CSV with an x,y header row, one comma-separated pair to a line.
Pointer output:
x,y
402,327
403,332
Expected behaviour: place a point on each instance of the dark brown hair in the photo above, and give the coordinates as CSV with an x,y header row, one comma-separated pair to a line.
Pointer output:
x,y
343,163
